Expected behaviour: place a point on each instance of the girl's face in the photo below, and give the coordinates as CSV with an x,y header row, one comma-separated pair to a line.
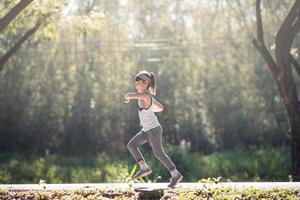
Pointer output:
x,y
140,86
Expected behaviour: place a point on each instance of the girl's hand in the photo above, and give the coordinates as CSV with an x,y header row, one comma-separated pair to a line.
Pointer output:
x,y
125,99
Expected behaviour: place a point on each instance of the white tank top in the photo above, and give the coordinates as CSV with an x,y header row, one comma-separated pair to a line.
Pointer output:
x,y
148,119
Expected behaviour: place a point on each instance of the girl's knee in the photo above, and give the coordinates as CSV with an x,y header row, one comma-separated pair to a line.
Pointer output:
x,y
129,145
158,153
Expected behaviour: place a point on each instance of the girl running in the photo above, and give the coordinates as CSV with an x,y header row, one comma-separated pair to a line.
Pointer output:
x,y
145,85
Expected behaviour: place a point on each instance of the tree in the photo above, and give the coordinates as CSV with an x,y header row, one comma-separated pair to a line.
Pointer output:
x,y
282,72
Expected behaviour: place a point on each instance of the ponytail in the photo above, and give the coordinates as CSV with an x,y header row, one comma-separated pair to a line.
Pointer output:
x,y
152,85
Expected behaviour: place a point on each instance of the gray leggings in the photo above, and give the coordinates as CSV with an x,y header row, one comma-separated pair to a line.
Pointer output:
x,y
153,136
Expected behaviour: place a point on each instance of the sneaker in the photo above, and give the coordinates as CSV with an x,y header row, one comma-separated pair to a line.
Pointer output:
x,y
142,172
175,180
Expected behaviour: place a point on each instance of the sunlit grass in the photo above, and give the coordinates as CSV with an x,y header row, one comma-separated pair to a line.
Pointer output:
x,y
181,194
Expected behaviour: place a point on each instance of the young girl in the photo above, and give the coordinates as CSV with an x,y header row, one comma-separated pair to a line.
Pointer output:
x,y
145,85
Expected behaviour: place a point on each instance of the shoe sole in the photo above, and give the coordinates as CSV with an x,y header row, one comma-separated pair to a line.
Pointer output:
x,y
143,175
180,179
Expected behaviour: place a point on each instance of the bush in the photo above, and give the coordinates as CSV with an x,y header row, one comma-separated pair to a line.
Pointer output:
x,y
264,164
267,164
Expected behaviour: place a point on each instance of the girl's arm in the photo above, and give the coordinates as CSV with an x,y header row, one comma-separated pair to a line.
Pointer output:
x,y
144,97
157,107
133,95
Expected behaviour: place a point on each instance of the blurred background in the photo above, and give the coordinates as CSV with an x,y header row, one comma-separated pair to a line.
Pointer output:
x,y
62,118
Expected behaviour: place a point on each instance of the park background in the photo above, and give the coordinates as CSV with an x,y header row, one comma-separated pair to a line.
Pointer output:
x,y
62,118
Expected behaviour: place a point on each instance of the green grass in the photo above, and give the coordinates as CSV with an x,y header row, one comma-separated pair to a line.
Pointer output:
x,y
267,164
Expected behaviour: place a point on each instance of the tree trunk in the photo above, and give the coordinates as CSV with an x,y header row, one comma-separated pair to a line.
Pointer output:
x,y
295,148
4,22
14,49
282,72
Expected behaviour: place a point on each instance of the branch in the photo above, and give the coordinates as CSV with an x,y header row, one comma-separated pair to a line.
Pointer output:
x,y
296,65
284,38
267,57
260,44
14,49
4,22
289,20
296,25
260,31
287,31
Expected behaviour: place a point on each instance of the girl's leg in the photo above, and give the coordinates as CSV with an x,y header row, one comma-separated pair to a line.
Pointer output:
x,y
155,140
138,140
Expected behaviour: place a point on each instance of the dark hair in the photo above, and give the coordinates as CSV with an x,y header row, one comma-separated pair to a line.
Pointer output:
x,y
138,78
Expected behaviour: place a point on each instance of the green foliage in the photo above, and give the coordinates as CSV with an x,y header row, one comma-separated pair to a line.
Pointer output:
x,y
55,169
255,164
242,165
